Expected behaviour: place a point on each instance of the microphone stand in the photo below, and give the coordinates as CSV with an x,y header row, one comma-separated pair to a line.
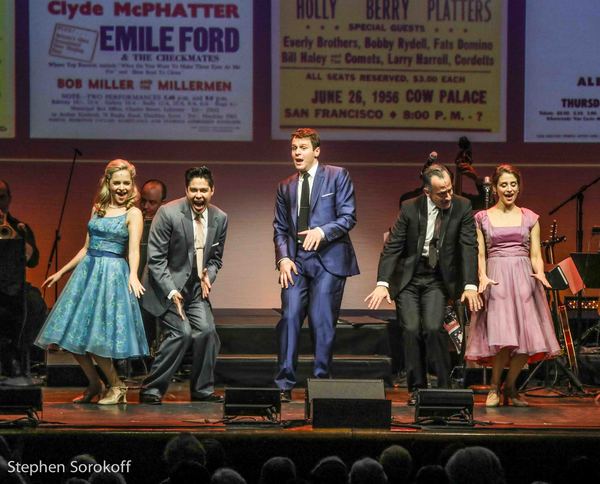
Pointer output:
x,y
578,195
54,251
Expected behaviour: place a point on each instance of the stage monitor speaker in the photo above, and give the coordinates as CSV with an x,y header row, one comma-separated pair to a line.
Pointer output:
x,y
450,406
262,402
18,400
333,403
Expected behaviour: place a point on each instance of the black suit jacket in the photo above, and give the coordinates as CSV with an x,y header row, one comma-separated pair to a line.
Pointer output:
x,y
458,246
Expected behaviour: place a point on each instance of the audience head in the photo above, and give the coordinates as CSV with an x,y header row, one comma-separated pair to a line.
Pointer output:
x,y
277,470
397,463
83,464
116,186
215,454
225,475
367,471
107,478
183,447
449,451
330,470
76,480
475,465
153,195
189,471
580,469
431,474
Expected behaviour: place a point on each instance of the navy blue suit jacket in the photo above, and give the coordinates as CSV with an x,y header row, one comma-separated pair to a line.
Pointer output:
x,y
332,208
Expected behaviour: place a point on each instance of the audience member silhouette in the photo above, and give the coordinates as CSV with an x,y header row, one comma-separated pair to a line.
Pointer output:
x,y
431,474
225,475
215,454
188,471
367,471
475,465
183,447
82,471
107,478
580,469
329,470
277,470
397,464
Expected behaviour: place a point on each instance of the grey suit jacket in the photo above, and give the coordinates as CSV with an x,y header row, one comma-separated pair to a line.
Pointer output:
x,y
171,251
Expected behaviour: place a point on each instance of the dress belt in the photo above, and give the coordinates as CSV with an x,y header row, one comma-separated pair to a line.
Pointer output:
x,y
103,253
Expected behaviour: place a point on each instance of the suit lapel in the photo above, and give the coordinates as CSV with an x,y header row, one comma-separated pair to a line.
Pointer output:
x,y
294,202
187,227
187,223
316,188
445,222
210,232
422,223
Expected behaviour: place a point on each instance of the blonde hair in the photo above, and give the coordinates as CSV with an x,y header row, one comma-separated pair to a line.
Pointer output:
x,y
103,195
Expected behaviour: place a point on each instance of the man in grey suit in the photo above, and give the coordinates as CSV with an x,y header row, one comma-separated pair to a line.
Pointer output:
x,y
185,251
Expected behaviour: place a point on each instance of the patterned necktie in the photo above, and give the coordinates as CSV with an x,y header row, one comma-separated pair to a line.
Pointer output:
x,y
434,253
199,243
304,206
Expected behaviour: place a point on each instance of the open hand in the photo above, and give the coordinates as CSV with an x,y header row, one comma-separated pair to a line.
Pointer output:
x,y
53,279
286,267
473,300
374,299
205,284
312,240
135,286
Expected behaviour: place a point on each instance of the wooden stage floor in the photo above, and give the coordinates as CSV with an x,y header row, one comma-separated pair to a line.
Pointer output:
x,y
547,411
532,443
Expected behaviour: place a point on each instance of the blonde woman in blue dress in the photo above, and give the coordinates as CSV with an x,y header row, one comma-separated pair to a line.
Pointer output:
x,y
97,317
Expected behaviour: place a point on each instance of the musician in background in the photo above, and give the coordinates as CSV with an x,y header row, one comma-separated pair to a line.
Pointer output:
x,y
515,327
464,167
153,196
11,306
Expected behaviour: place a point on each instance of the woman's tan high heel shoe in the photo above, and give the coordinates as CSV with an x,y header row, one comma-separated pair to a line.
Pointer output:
x,y
493,398
90,395
511,395
114,395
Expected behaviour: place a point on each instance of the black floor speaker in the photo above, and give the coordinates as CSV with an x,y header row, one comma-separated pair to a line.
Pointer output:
x,y
262,402
333,403
444,404
18,400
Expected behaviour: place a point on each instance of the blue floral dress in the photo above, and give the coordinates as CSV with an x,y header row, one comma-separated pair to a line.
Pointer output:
x,y
95,312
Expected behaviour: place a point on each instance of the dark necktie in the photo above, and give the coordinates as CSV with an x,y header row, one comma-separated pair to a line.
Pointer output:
x,y
199,243
434,253
304,206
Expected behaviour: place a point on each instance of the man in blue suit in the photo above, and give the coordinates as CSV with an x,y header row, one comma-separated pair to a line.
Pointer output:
x,y
314,211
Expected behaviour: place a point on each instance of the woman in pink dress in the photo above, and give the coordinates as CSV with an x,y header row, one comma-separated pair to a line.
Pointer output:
x,y
515,327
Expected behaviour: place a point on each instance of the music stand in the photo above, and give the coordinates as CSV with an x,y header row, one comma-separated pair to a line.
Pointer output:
x,y
588,266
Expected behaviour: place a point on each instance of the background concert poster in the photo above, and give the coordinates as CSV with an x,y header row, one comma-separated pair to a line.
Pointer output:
x,y
141,70
562,72
396,70
7,69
